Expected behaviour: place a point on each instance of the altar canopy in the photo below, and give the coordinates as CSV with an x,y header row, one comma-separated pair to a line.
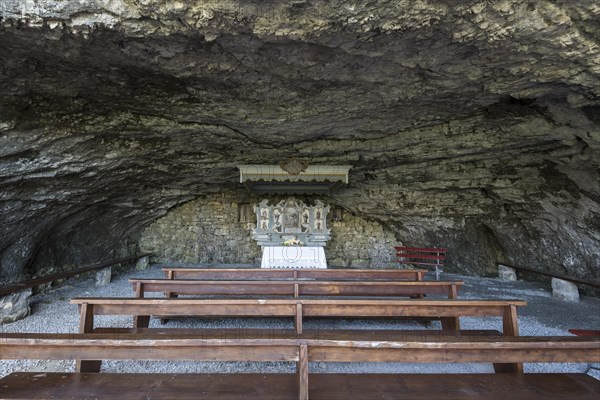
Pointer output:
x,y
294,177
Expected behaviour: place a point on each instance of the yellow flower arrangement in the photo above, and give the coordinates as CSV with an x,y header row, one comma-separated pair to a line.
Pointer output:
x,y
293,242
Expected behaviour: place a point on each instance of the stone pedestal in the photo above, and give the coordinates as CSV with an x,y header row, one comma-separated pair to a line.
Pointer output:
x,y
142,263
103,276
506,273
564,290
14,306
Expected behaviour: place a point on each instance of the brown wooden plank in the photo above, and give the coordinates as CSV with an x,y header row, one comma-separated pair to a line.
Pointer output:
x,y
412,262
329,302
302,372
420,256
421,249
434,341
453,386
362,274
298,318
15,287
110,386
196,310
310,334
273,273
294,288
585,332
442,349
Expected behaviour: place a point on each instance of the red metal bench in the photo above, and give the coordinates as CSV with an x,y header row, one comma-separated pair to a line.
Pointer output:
x,y
423,256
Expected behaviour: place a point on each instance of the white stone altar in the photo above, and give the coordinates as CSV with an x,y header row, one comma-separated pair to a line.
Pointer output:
x,y
293,257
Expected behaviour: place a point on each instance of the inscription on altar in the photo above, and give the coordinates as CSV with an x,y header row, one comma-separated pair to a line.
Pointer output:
x,y
291,219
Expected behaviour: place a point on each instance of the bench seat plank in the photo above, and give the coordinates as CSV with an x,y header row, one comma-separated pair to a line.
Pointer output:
x,y
110,386
309,334
276,274
294,287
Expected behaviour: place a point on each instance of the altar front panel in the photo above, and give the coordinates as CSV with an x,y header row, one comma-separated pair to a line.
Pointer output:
x,y
293,257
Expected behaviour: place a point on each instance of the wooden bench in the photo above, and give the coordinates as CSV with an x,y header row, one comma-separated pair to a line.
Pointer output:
x,y
447,311
295,288
274,274
422,256
300,385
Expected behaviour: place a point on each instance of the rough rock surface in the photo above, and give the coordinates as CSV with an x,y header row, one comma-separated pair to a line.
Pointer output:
x,y
472,125
14,306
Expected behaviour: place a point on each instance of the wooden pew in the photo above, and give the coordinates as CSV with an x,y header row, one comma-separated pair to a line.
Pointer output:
x,y
277,273
301,385
295,288
447,311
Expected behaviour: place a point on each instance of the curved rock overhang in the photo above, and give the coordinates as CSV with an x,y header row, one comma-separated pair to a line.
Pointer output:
x,y
473,125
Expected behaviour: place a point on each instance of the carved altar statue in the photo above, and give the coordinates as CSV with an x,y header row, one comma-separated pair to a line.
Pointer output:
x,y
291,219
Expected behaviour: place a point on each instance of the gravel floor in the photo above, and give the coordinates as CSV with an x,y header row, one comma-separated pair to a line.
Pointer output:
x,y
544,316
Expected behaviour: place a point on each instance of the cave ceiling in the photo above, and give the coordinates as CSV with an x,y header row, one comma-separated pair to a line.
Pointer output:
x,y
451,113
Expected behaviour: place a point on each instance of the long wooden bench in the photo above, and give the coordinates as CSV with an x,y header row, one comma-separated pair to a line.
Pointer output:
x,y
447,311
300,385
276,273
295,288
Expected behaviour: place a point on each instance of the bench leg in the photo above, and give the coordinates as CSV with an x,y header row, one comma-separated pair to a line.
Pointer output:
x,y
88,366
510,327
86,325
141,321
168,295
450,324
298,318
302,371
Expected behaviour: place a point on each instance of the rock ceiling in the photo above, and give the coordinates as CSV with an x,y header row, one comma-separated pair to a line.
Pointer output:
x,y
472,124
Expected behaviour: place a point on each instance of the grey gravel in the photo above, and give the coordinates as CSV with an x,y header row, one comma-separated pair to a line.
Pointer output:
x,y
543,316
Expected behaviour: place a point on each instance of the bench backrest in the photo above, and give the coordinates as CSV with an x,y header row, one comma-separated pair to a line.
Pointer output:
x,y
158,347
294,288
274,273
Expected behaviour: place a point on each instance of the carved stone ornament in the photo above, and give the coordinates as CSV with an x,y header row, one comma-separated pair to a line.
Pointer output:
x,y
294,166
291,219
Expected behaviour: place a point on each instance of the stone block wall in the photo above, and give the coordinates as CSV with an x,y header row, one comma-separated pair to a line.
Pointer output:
x,y
206,230
359,243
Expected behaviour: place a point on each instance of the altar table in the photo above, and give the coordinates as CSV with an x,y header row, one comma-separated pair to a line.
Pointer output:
x,y
293,257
